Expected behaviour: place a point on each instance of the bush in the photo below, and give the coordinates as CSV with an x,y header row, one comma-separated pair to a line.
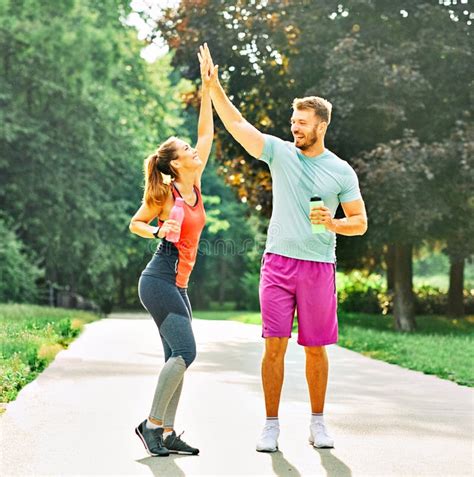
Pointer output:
x,y
469,302
64,329
359,292
430,300
15,375
18,273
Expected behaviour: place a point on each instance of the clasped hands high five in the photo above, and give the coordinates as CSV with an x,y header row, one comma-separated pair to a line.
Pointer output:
x,y
209,71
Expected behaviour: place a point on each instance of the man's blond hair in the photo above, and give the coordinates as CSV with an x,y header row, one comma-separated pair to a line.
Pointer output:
x,y
322,107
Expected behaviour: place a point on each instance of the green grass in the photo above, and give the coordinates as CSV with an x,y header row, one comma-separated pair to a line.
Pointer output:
x,y
30,338
440,346
250,317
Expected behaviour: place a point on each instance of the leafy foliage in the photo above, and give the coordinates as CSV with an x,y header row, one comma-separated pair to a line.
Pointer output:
x,y
80,110
18,271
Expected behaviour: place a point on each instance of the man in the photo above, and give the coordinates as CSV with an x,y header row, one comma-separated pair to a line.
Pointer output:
x,y
298,267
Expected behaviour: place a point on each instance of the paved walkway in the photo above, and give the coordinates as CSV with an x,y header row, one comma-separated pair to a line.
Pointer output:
x,y
78,417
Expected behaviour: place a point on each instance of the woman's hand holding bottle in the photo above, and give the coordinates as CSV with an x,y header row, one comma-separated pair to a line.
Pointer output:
x,y
169,226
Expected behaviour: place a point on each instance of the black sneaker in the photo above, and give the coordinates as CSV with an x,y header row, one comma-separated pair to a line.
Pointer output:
x,y
177,446
152,440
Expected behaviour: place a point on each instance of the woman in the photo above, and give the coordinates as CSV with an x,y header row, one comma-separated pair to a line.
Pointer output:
x,y
162,285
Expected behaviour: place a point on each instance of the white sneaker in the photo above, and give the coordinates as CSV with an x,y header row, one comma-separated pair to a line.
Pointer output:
x,y
268,441
319,436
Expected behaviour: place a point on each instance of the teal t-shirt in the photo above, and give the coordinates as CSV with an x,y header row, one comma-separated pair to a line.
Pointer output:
x,y
296,178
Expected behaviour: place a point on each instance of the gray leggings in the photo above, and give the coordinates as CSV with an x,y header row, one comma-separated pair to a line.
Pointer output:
x,y
170,308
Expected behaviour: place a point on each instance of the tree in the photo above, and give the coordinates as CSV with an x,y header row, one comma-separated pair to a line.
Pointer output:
x,y
401,210
388,81
454,163
80,111
18,271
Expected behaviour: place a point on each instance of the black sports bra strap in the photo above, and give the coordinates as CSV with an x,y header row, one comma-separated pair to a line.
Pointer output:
x,y
174,190
177,194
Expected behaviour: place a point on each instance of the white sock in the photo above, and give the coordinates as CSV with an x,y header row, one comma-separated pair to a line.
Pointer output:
x,y
151,425
272,421
166,434
317,418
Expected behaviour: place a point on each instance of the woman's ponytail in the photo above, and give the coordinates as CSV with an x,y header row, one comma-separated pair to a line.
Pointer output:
x,y
155,189
155,167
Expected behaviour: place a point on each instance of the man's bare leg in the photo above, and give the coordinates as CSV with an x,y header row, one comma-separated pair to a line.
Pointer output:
x,y
317,370
273,366
273,370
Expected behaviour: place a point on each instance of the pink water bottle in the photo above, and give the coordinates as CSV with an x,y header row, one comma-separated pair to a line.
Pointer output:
x,y
177,213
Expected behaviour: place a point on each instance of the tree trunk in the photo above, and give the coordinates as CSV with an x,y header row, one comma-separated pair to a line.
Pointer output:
x,y
403,302
456,287
390,264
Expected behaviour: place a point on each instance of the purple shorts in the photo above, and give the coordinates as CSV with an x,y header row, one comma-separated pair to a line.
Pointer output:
x,y
309,287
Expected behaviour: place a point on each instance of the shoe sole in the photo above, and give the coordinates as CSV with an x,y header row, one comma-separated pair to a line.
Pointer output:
x,y
183,452
139,434
267,450
320,447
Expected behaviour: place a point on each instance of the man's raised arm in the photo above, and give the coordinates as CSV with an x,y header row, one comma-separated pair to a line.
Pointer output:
x,y
247,135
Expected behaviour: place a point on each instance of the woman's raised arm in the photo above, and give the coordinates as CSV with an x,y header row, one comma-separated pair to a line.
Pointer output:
x,y
206,121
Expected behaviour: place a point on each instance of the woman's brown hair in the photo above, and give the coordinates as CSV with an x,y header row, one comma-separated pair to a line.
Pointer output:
x,y
155,165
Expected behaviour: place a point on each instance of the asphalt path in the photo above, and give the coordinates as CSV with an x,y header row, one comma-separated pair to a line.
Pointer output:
x,y
77,417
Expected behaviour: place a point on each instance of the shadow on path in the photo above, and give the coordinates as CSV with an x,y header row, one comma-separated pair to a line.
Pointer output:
x,y
333,466
282,467
161,466
378,389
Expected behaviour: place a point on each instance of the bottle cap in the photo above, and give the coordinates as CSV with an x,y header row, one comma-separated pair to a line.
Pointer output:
x,y
179,201
315,199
